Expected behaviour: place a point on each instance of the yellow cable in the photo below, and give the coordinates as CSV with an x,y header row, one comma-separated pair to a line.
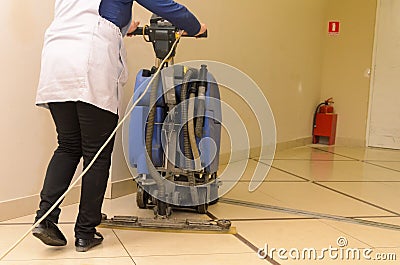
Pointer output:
x,y
144,33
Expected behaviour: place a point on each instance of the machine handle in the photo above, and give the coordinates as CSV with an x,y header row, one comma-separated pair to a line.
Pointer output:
x,y
140,31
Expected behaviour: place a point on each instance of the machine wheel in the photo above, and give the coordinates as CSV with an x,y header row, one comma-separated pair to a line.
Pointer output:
x,y
214,201
141,198
224,223
103,217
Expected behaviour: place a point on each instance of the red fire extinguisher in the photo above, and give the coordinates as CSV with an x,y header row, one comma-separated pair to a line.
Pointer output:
x,y
324,122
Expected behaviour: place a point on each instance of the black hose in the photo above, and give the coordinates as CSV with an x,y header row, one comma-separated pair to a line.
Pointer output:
x,y
315,116
201,99
151,117
184,117
149,139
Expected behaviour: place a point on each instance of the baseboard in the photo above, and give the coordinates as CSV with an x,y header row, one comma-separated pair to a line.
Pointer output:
x,y
28,205
294,143
350,142
238,155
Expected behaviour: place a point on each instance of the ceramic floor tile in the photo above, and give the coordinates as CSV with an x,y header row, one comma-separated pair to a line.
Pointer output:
x,y
236,171
386,195
143,244
74,261
212,259
336,170
373,236
293,234
361,153
32,249
248,168
241,192
310,197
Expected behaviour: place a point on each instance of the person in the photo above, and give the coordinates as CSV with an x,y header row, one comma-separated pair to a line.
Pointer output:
x,y
82,74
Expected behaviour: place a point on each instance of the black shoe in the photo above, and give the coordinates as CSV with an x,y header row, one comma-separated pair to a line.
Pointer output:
x,y
83,245
49,234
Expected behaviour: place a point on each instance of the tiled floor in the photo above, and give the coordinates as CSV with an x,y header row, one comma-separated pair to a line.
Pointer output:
x,y
311,197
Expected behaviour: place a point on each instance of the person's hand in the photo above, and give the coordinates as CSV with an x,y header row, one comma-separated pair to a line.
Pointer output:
x,y
133,27
202,29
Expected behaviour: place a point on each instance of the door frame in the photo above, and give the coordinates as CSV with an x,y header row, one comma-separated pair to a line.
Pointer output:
x,y
373,72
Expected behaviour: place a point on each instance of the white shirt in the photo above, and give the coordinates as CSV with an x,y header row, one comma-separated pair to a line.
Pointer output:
x,y
83,57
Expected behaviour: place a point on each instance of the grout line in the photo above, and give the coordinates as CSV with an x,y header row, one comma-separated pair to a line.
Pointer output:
x,y
292,174
389,161
287,172
380,166
265,181
326,151
303,159
254,248
120,241
245,241
212,217
357,181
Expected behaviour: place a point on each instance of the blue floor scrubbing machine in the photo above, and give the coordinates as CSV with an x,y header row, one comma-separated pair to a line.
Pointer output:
x,y
175,130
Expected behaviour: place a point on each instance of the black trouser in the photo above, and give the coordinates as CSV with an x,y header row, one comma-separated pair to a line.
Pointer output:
x,y
82,129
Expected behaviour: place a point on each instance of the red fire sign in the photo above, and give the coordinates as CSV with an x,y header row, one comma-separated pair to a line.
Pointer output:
x,y
334,27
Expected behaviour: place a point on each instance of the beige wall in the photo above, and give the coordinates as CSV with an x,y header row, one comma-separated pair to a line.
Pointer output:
x,y
275,42
279,43
346,59
27,133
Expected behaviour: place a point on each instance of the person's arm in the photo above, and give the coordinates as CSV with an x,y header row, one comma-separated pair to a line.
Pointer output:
x,y
175,13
